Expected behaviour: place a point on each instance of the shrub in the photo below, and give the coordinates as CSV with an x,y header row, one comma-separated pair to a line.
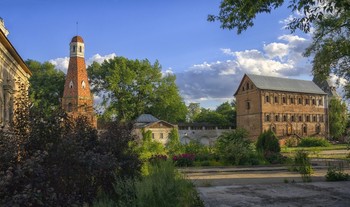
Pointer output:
x,y
164,186
291,142
52,161
336,174
313,142
235,147
269,147
268,142
174,146
303,165
184,160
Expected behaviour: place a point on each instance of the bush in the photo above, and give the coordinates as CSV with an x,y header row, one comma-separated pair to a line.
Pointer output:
x,y
164,186
269,147
336,174
313,142
291,142
235,148
52,161
174,146
303,165
184,160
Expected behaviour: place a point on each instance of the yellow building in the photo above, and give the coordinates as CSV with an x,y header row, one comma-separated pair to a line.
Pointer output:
x,y
286,106
160,129
14,75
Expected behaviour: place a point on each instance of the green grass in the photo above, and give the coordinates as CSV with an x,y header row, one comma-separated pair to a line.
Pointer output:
x,y
317,152
332,147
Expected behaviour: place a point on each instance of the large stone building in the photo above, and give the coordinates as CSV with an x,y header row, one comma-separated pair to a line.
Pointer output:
x,y
14,75
77,99
286,106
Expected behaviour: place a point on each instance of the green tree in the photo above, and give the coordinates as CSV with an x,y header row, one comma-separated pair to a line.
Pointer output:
x,y
337,118
331,19
228,110
212,117
174,145
239,14
130,88
168,104
46,85
234,147
193,110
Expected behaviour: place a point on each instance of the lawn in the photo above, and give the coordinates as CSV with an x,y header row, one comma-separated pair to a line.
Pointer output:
x,y
338,151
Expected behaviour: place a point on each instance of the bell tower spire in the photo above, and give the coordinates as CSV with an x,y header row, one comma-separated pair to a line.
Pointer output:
x,y
77,99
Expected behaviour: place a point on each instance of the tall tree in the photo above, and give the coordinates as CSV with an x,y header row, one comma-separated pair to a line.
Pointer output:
x,y
46,85
331,39
228,110
132,87
338,117
193,110
168,104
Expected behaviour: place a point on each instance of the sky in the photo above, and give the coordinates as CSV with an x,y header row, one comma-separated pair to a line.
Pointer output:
x,y
209,62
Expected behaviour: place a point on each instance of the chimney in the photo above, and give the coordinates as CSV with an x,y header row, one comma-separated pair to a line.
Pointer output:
x,y
2,27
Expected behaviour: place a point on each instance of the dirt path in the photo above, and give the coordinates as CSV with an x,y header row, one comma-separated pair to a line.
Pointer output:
x,y
267,186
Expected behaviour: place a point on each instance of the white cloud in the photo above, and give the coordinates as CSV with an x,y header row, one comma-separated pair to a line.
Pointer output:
x,y
276,50
218,80
62,63
98,58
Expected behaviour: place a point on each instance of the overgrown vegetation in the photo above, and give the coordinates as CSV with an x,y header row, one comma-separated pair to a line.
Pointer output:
x,y
164,186
49,160
269,147
302,164
235,148
314,142
336,174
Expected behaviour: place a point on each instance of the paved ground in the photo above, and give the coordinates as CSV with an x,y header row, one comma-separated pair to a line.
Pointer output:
x,y
267,186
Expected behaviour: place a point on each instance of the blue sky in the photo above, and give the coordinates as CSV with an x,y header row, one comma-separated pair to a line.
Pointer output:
x,y
209,62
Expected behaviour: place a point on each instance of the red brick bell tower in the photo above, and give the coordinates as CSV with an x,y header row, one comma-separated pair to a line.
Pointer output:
x,y
77,99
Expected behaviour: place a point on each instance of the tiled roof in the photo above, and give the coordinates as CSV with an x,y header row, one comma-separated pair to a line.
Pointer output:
x,y
146,118
285,84
77,39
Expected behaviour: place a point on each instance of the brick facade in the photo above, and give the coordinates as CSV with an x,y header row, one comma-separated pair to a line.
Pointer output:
x,y
285,112
77,99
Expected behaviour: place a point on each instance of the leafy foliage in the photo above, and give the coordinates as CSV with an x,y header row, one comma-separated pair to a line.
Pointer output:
x,y
337,118
164,186
235,147
269,146
52,161
303,165
193,110
224,115
132,87
235,14
184,160
313,142
174,145
336,174
46,85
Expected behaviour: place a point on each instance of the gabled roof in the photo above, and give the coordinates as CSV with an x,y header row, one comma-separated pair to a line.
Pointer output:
x,y
283,84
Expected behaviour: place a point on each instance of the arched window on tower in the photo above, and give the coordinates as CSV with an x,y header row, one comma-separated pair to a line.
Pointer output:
x,y
71,84
73,48
83,85
80,49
